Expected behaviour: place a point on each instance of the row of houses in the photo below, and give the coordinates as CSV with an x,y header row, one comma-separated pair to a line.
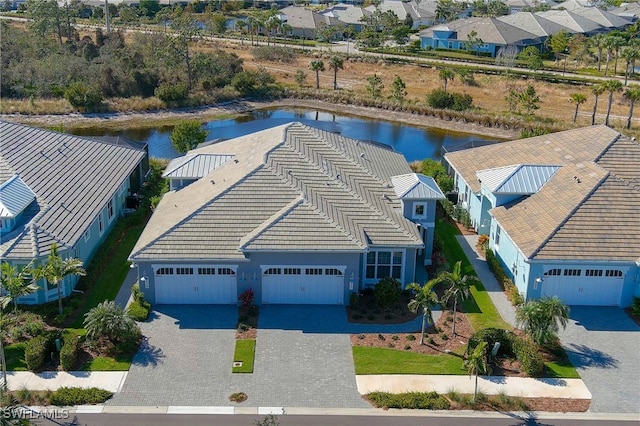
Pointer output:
x,y
305,216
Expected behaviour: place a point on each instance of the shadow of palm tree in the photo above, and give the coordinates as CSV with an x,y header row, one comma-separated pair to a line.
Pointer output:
x,y
584,356
529,419
148,355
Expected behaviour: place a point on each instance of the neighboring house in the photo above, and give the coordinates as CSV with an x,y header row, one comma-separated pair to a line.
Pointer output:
x,y
561,211
298,214
516,6
606,19
631,11
491,35
62,189
406,9
534,24
348,15
572,5
574,23
304,22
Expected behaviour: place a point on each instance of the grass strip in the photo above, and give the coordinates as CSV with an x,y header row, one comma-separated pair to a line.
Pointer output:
x,y
369,360
245,352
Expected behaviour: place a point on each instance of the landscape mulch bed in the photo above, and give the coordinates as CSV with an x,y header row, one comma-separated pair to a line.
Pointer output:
x,y
248,315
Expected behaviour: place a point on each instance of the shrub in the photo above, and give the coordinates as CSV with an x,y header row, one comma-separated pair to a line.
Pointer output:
x,y
82,96
635,307
354,300
461,102
447,206
246,298
411,400
387,292
238,397
526,351
69,351
494,265
439,98
491,336
37,350
242,327
483,243
137,312
411,337
274,54
395,337
111,322
172,92
79,396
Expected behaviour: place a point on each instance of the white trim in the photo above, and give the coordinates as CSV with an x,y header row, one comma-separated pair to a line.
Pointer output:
x,y
342,268
195,266
385,249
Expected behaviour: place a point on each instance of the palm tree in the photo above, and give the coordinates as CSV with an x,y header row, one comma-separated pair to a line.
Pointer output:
x,y
425,298
597,41
4,301
609,43
633,95
630,54
336,63
578,99
317,65
458,287
597,90
611,86
445,75
618,42
476,364
57,269
541,319
16,283
251,23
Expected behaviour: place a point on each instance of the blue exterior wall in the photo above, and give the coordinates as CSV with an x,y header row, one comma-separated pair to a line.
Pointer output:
x,y
513,261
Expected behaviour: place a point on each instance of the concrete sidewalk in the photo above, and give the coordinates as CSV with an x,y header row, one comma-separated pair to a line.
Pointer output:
x,y
52,380
491,385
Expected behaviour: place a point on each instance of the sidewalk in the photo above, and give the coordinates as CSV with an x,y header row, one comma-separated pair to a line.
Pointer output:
x,y
52,380
503,305
491,385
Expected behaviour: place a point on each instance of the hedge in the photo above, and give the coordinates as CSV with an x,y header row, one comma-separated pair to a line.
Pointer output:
x,y
69,351
37,350
511,345
413,400
79,396
137,312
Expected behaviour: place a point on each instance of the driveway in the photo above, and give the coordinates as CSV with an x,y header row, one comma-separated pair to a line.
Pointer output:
x,y
303,358
604,345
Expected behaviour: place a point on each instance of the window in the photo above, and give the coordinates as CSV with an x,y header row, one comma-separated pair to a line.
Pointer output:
x,y
273,271
206,271
497,238
381,264
593,272
226,271
292,271
551,272
110,210
313,271
87,234
613,273
333,271
572,272
184,271
419,211
164,271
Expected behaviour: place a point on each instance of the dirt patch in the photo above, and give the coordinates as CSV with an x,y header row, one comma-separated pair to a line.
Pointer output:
x,y
553,405
247,326
367,311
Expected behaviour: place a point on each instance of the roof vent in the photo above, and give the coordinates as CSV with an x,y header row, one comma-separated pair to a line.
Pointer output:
x,y
235,160
213,182
577,179
362,155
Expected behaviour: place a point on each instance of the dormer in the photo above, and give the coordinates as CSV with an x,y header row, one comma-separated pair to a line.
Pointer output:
x,y
504,184
189,168
418,194
15,197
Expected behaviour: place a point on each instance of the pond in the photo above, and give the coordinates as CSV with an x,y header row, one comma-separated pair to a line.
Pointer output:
x,y
414,143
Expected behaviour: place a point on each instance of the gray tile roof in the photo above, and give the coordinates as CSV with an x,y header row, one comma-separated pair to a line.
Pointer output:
x,y
574,23
15,196
629,10
588,210
72,177
293,188
601,17
489,30
533,23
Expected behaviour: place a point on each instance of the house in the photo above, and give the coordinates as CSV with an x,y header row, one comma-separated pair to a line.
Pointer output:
x,y
533,23
572,5
630,11
348,15
297,214
606,19
516,6
574,23
561,210
406,11
62,189
483,35
305,23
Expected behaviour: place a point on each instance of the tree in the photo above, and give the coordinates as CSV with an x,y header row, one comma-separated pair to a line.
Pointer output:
x,y
300,77
16,283
187,135
445,75
531,55
398,89
218,23
541,319
597,41
458,287
110,321
577,99
633,95
425,298
473,42
185,27
559,42
316,66
374,86
476,364
336,63
630,54
611,86
529,100
597,90
46,17
57,269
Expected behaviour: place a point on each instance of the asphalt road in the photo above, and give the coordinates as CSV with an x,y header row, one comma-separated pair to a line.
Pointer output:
x,y
417,419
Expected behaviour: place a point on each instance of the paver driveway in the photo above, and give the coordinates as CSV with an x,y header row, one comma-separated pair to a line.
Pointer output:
x,y
604,345
303,358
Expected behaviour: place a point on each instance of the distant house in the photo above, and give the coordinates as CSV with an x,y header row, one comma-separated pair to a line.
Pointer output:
x,y
348,15
605,19
305,23
297,214
407,10
574,23
516,6
489,35
62,189
631,11
561,211
533,23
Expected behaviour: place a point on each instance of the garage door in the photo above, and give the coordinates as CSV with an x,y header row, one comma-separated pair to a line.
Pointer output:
x,y
195,285
311,285
591,287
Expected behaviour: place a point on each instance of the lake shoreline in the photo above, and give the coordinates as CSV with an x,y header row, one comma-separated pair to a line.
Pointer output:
x,y
155,118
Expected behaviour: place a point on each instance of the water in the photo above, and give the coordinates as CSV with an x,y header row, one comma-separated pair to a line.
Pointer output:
x,y
414,143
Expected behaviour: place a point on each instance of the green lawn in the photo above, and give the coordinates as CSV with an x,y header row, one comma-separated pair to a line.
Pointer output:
x,y
368,360
480,309
561,369
110,280
245,352
14,355
104,363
